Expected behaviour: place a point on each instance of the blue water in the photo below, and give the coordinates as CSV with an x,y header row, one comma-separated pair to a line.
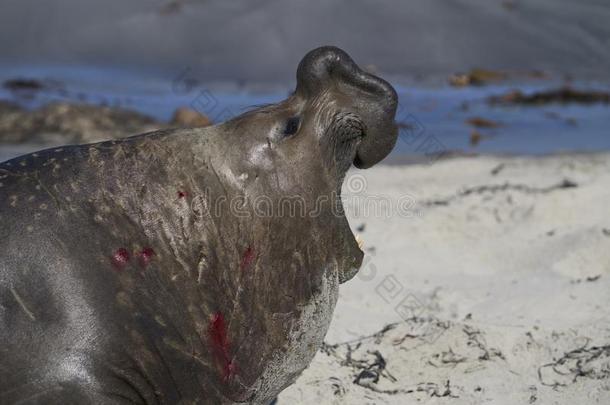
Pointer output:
x,y
435,116
524,130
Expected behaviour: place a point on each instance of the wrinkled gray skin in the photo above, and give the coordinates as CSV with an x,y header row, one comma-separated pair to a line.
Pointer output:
x,y
124,280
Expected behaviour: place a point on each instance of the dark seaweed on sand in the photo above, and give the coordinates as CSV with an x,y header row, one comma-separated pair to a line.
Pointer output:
x,y
563,95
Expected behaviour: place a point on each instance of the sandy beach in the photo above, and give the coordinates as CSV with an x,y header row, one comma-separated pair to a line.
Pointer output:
x,y
487,281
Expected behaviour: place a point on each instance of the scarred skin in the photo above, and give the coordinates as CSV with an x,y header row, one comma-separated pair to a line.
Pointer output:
x,y
196,266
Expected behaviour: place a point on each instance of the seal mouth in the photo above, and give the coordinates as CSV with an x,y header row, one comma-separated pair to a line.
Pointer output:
x,y
345,134
356,137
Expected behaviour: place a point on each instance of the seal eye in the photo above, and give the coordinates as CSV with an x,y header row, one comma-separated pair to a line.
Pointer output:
x,y
292,126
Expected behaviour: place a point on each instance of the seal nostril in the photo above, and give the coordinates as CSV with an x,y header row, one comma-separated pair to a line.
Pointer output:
x,y
318,66
330,63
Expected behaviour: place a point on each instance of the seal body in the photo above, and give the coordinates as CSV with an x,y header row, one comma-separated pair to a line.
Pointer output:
x,y
186,266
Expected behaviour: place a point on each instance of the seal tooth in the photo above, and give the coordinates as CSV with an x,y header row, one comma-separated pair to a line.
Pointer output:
x,y
359,241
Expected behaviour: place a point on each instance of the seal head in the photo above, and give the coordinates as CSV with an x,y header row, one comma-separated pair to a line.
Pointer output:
x,y
338,115
373,101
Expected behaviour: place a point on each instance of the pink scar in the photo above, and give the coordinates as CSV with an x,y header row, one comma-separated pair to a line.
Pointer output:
x,y
217,330
145,256
247,258
120,258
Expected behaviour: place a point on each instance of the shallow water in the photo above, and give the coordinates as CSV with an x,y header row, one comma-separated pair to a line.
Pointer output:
x,y
435,117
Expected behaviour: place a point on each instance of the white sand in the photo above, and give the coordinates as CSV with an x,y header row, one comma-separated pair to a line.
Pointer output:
x,y
505,291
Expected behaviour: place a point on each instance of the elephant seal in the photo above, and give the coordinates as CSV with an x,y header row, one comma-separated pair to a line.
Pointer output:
x,y
192,266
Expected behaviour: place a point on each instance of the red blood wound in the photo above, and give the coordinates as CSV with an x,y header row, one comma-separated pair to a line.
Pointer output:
x,y
182,194
230,370
120,258
217,331
145,256
247,258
